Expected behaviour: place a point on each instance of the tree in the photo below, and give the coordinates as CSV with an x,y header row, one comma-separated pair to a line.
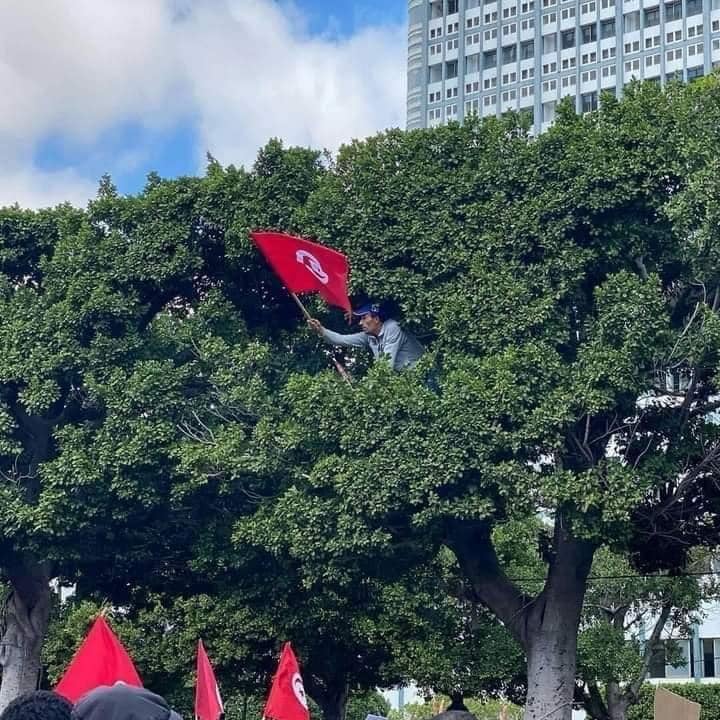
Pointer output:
x,y
105,320
559,279
626,621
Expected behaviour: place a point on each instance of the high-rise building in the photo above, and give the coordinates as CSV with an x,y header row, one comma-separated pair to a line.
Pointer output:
x,y
486,57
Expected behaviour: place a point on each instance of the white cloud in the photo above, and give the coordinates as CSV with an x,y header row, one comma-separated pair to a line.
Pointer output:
x,y
34,189
245,70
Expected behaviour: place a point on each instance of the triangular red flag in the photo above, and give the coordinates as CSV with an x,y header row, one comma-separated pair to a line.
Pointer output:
x,y
100,660
208,703
305,266
287,700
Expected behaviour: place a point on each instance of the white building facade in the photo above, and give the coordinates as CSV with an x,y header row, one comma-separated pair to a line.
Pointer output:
x,y
487,57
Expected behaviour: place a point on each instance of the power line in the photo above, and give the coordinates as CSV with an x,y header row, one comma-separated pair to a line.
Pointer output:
x,y
635,576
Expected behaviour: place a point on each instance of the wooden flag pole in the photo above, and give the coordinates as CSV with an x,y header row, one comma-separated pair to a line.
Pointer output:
x,y
338,365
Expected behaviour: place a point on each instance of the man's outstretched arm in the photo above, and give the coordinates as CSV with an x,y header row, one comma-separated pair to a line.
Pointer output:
x,y
352,340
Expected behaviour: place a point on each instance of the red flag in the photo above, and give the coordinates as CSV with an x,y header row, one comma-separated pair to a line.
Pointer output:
x,y
208,703
305,266
287,699
100,660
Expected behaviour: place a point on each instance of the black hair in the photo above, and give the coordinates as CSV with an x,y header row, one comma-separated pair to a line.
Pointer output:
x,y
38,705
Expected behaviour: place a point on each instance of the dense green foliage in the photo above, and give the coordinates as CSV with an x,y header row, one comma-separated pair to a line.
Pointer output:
x,y
170,431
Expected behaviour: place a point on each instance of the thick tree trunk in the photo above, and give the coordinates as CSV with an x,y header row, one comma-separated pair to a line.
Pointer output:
x,y
26,616
547,625
617,702
551,664
333,704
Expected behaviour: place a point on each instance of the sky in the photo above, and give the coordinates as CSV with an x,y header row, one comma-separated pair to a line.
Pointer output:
x,y
129,86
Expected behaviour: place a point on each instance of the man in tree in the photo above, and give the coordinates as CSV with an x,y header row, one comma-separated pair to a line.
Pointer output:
x,y
381,334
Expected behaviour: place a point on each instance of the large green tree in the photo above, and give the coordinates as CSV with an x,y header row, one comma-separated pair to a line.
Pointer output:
x,y
116,325
560,281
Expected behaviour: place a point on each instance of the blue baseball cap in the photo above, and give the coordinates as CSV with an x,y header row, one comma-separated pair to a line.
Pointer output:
x,y
369,307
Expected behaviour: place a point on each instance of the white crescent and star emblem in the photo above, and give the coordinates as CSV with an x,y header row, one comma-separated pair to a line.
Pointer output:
x,y
299,689
313,265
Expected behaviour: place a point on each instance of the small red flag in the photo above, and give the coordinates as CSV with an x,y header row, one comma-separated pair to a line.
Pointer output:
x,y
208,703
287,700
100,660
305,266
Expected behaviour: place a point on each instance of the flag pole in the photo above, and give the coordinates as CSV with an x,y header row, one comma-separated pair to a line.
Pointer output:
x,y
338,365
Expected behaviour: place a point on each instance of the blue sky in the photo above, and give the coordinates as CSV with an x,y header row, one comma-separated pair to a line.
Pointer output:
x,y
128,86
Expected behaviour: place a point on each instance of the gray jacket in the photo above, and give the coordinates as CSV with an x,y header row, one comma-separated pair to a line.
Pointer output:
x,y
401,347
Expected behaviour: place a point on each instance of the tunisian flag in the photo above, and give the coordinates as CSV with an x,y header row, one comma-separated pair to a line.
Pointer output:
x,y
305,266
100,660
208,704
287,699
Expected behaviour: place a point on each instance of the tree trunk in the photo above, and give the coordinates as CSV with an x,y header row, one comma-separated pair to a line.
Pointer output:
x,y
617,702
547,625
551,664
333,703
26,615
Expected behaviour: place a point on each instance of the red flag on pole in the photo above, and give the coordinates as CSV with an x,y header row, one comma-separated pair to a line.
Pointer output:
x,y
287,700
305,266
100,660
208,703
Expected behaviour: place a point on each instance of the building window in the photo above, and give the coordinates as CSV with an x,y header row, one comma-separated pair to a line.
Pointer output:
x,y
549,18
527,74
673,11
694,7
588,102
528,24
509,54
708,647
451,69
651,42
589,33
608,71
549,68
588,58
652,17
527,50
490,17
548,111
490,34
651,60
567,39
607,28
569,63
587,8
509,78
549,43
472,63
631,21
435,73
608,53
489,59
568,13
452,6
657,662
632,47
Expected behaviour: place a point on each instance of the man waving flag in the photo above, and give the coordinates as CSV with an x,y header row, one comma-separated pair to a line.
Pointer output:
x,y
305,266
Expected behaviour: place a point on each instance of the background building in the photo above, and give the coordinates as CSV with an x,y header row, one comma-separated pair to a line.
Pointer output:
x,y
478,57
